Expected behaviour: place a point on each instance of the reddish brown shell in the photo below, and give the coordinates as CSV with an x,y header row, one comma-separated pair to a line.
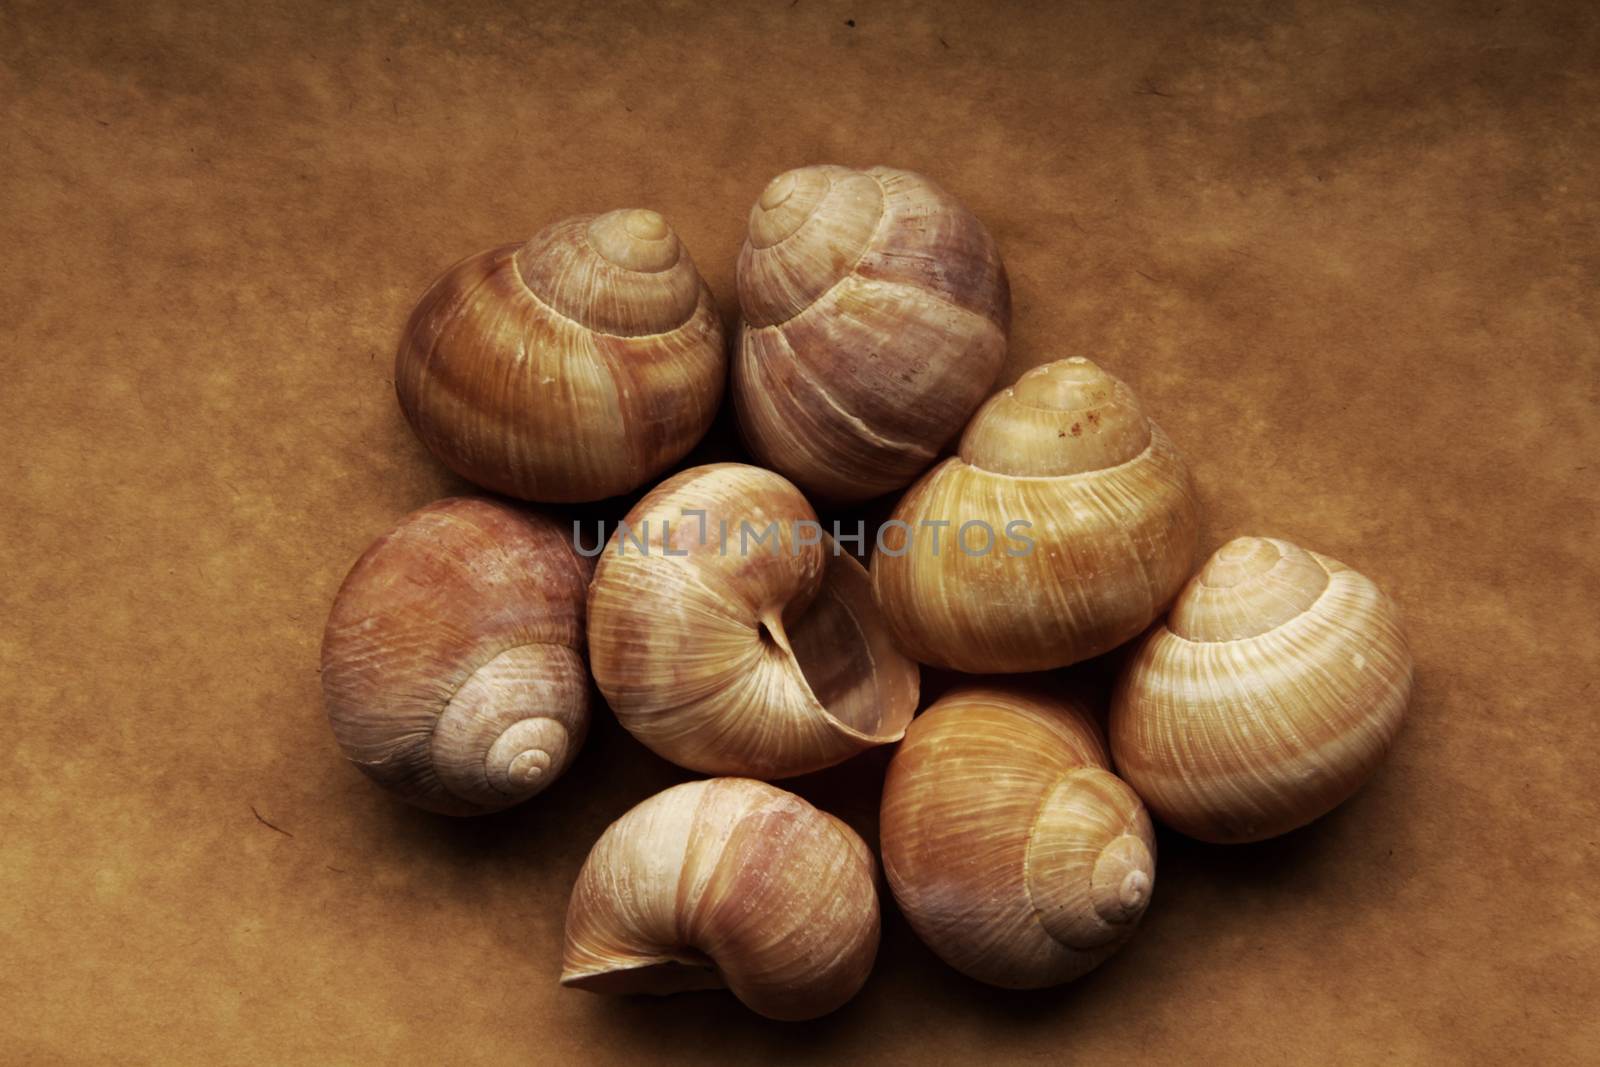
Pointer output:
x,y
452,662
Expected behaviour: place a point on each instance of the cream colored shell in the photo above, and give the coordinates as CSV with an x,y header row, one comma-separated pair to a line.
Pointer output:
x,y
452,662
729,883
1066,523
1015,854
1270,694
875,311
731,648
577,366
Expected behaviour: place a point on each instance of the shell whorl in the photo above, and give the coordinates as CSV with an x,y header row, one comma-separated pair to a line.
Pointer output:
x,y
1249,586
1089,868
1066,417
486,748
807,231
623,273
576,366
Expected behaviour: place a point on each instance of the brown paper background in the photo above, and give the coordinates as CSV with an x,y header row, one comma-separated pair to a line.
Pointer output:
x,y
1347,254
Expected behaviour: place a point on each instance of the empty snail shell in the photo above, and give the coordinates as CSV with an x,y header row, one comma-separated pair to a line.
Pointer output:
x,y
1064,525
731,636
1272,691
452,663
732,883
577,366
1016,855
875,311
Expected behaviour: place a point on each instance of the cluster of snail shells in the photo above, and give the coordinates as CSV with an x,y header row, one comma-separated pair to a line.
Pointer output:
x,y
588,361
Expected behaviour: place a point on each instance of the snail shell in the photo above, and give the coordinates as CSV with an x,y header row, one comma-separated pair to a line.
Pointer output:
x,y
1110,530
452,663
875,311
1012,849
729,883
1272,691
577,366
729,655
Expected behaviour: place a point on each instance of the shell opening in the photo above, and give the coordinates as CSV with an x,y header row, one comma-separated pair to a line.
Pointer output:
x,y
685,971
844,652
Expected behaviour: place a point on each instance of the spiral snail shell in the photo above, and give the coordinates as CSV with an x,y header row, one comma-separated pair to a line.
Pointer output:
x,y
1269,695
1014,852
726,882
576,366
875,311
452,662
731,636
1068,523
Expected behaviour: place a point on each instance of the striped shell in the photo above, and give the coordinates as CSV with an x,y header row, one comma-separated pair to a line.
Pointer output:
x,y
1012,849
1065,524
1270,694
452,662
577,366
726,883
875,311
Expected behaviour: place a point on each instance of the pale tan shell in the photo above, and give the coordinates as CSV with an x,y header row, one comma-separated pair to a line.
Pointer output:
x,y
577,366
1270,694
731,657
1111,534
1014,852
452,662
875,311
726,882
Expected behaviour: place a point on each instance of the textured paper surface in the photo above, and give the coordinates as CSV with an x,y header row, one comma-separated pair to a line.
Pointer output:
x,y
1347,254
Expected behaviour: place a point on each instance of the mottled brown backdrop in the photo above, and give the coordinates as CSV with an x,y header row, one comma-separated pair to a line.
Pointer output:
x,y
1347,253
